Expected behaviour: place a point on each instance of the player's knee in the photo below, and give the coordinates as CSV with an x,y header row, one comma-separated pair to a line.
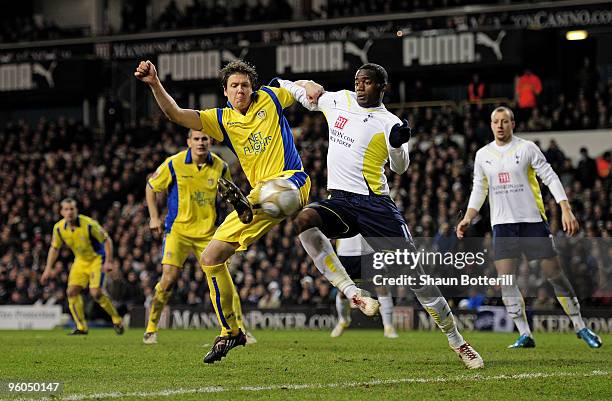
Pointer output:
x,y
167,281
73,291
217,252
95,293
308,218
211,258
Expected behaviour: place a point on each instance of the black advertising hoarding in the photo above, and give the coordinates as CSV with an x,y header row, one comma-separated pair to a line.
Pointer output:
x,y
410,52
51,77
405,318
53,70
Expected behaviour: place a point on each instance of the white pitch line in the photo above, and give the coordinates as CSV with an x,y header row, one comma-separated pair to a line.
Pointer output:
x,y
218,389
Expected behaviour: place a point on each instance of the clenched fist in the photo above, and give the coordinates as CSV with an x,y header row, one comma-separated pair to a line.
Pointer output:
x,y
146,72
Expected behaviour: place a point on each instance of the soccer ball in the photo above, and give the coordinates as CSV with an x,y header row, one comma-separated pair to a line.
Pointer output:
x,y
280,198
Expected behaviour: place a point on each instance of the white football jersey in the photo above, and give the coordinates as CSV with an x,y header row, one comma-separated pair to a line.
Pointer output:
x,y
354,246
508,175
358,142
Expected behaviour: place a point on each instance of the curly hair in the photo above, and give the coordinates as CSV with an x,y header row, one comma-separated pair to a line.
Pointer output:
x,y
238,67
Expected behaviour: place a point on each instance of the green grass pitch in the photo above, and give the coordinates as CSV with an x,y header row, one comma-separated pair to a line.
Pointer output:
x,y
300,365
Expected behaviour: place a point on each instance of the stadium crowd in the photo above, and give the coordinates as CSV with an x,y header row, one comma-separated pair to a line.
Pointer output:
x,y
136,17
48,161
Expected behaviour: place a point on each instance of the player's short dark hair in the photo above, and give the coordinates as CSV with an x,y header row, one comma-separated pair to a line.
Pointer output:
x,y
380,74
238,67
190,130
68,200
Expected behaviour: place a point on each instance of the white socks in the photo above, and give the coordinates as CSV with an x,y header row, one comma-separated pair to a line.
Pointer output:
x,y
435,304
325,259
566,297
515,306
344,309
386,310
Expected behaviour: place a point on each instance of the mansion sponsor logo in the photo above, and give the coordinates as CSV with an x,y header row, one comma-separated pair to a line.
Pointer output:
x,y
256,319
340,122
453,48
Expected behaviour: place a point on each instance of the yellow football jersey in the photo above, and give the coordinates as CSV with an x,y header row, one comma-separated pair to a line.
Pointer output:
x,y
192,192
85,239
261,139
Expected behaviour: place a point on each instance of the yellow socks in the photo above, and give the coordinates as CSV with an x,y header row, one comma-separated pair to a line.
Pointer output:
x,y
78,312
157,306
238,310
222,295
106,304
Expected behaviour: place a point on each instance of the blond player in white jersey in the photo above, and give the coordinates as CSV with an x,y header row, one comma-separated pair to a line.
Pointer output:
x,y
351,253
506,170
363,137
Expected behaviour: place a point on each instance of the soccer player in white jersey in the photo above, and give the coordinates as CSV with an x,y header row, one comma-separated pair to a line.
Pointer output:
x,y
350,252
363,136
506,169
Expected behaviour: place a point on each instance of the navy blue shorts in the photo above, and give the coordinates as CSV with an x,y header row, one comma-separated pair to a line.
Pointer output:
x,y
533,240
375,217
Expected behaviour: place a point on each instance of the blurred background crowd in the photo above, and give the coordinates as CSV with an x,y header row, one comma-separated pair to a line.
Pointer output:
x,y
46,162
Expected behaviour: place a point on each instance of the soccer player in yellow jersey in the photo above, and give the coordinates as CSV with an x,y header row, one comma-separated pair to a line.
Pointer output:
x,y
93,257
254,128
190,179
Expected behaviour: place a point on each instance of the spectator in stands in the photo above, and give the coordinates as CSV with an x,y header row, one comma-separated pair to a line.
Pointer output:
x,y
555,156
587,77
476,89
527,89
587,169
603,165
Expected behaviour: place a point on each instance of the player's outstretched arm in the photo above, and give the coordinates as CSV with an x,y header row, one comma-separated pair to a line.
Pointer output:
x,y
188,118
307,93
313,90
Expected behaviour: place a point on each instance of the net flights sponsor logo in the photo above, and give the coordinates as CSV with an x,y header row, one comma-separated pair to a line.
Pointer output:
x,y
453,48
257,144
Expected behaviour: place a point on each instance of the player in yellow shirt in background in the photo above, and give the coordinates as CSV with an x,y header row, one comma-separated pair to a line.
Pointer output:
x,y
93,257
190,179
254,128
